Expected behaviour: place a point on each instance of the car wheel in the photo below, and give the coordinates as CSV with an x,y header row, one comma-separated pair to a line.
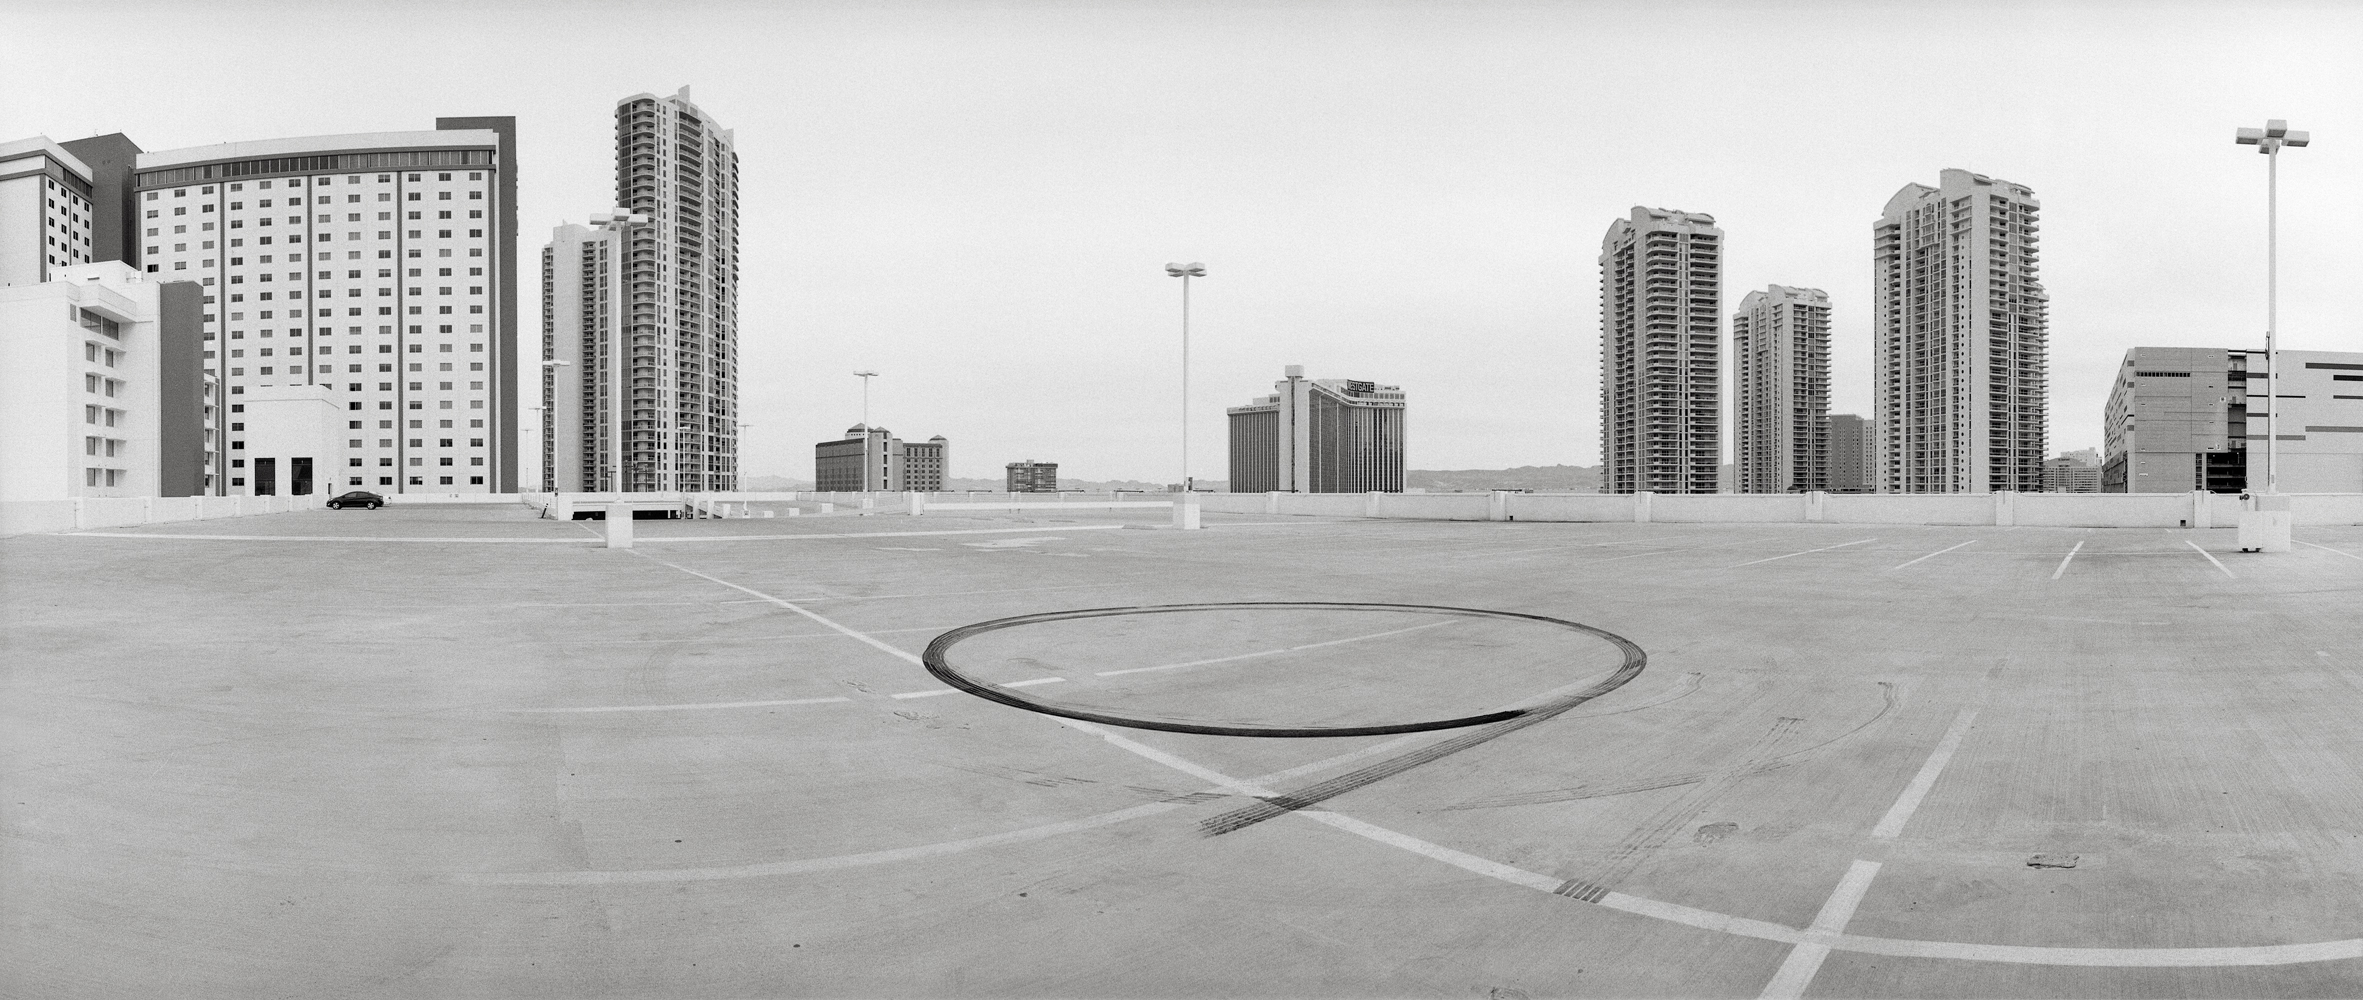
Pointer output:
x,y
332,505
373,505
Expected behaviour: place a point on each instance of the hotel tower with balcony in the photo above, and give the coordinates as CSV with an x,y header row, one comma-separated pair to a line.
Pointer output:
x,y
642,306
1661,305
1960,335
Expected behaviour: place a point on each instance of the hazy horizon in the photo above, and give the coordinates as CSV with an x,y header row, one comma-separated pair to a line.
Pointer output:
x,y
977,200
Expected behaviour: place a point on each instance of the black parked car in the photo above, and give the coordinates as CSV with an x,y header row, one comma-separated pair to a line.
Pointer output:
x,y
358,498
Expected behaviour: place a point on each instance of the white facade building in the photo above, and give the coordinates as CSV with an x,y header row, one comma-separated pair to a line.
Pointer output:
x,y
99,390
378,268
1661,339
1960,335
643,306
1780,391
45,211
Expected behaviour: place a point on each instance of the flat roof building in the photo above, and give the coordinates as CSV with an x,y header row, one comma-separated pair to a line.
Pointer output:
x,y
871,459
1780,391
1030,476
46,211
1960,331
2072,472
101,389
379,267
1319,436
1854,454
1661,373
2188,418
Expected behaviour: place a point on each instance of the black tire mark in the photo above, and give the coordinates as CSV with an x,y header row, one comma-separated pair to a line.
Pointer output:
x,y
1628,854
938,663
1794,757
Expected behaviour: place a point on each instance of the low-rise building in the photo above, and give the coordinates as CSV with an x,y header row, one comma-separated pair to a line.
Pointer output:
x,y
1319,436
2073,472
1030,476
871,459
102,389
2187,418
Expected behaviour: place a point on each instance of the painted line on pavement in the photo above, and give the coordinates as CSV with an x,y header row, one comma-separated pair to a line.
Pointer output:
x,y
1804,961
833,626
2071,557
642,539
680,708
2326,548
1267,652
2210,557
1939,552
1891,825
931,693
328,538
1035,681
1690,916
1807,552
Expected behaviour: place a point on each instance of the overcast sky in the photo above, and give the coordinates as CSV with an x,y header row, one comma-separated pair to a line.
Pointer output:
x,y
977,200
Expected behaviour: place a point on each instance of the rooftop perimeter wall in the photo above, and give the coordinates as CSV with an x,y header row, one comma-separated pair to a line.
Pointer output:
x,y
2073,510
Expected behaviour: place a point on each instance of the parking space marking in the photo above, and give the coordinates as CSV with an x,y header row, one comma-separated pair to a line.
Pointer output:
x,y
678,708
2326,548
1891,825
2210,557
1804,961
2071,557
1267,652
1939,552
1807,552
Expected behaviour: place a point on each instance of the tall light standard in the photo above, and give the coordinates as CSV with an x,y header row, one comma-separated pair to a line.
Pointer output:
x,y
865,377
1185,272
2269,140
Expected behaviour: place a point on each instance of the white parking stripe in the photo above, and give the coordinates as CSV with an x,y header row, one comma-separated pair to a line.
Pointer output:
x,y
1797,971
1940,552
1267,652
683,707
2071,557
1807,552
1891,825
2210,557
2326,548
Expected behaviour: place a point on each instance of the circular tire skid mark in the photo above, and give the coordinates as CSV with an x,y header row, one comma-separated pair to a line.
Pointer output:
x,y
938,662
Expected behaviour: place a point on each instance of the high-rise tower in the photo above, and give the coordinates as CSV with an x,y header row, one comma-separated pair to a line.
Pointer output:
x,y
1780,390
667,391
1960,334
1661,305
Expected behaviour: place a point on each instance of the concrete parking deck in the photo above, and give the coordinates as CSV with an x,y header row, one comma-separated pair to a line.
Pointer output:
x,y
461,751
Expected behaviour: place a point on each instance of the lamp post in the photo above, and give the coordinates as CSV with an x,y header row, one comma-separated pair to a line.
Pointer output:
x,y
865,377
1185,272
2269,140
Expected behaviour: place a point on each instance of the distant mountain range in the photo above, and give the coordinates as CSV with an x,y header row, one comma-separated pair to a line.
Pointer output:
x,y
1540,478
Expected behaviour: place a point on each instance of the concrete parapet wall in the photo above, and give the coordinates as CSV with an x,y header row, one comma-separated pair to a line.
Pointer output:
x,y
2082,510
25,517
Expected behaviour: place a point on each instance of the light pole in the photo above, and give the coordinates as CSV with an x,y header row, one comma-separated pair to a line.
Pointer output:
x,y
865,377
1185,272
2269,140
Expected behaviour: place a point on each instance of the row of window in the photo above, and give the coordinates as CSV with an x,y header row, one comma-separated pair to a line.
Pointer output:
x,y
182,265
103,477
296,182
